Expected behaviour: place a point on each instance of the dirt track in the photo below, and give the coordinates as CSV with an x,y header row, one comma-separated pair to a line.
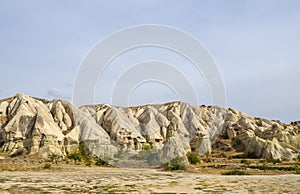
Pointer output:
x,y
115,180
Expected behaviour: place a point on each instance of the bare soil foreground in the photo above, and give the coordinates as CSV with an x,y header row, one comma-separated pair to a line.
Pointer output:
x,y
122,180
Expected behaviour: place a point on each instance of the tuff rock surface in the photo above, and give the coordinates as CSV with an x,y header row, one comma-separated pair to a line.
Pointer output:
x,y
35,126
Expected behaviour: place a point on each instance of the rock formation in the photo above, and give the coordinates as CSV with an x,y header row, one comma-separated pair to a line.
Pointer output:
x,y
35,126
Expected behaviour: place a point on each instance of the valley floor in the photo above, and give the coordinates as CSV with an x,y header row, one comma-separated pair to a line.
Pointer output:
x,y
122,180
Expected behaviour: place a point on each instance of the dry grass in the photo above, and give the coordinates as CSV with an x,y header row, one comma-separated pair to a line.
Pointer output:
x,y
12,167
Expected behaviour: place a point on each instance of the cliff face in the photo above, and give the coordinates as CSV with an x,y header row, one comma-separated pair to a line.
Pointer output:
x,y
35,126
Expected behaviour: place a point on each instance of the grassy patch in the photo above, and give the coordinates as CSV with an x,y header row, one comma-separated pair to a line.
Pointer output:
x,y
235,172
280,168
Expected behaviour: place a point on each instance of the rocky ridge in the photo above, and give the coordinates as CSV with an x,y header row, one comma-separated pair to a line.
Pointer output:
x,y
34,126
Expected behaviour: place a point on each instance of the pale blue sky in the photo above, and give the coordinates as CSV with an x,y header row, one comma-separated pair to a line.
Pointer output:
x,y
256,45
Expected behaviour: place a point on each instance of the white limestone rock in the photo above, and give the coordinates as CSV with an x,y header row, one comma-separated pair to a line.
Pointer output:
x,y
57,127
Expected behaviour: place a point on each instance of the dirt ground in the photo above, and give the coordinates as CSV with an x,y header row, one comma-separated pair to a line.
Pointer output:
x,y
122,180
27,175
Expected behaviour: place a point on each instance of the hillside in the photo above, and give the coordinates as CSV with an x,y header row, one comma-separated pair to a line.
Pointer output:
x,y
34,126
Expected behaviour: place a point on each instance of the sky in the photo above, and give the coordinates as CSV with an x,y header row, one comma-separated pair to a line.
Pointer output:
x,y
255,45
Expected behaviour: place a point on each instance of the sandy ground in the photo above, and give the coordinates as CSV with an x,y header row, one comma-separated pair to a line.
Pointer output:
x,y
120,180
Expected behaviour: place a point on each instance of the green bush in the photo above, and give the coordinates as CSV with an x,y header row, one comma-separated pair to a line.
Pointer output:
x,y
76,156
235,172
193,157
54,158
297,170
79,155
147,147
47,166
176,164
87,161
299,157
246,162
81,148
274,161
222,155
207,155
100,162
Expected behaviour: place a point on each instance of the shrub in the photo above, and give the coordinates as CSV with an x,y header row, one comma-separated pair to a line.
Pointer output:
x,y
76,156
176,164
87,161
19,152
79,155
297,170
54,158
47,166
299,157
193,157
246,162
81,149
222,155
235,172
274,161
147,147
100,162
207,156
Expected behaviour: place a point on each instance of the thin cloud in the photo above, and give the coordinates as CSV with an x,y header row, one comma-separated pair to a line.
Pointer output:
x,y
54,93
